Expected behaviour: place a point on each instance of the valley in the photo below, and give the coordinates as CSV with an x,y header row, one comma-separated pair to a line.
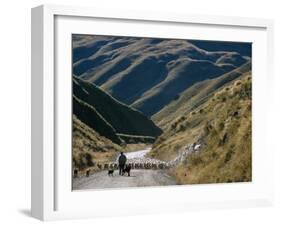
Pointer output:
x,y
131,94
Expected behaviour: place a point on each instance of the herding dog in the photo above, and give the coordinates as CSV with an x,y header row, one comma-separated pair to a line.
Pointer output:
x,y
76,173
127,169
110,172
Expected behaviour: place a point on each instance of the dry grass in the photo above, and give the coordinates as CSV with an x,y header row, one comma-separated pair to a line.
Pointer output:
x,y
88,147
134,147
223,125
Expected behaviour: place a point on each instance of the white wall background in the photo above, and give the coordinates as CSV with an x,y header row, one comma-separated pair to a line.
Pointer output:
x,y
15,112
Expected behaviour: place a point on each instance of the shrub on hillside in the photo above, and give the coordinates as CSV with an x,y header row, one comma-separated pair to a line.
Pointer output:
x,y
181,128
173,126
238,83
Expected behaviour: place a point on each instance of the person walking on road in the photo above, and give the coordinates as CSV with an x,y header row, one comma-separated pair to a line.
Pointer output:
x,y
122,162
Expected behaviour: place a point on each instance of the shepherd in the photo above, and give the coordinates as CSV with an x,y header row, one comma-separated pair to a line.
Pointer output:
x,y
122,162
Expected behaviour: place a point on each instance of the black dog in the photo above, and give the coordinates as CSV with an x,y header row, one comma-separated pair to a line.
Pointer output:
x,y
76,173
110,172
127,169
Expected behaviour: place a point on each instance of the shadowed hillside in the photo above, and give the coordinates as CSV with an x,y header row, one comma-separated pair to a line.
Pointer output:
x,y
244,50
147,73
88,114
178,80
106,115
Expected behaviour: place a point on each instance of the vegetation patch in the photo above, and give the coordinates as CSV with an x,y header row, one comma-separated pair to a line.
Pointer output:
x,y
225,131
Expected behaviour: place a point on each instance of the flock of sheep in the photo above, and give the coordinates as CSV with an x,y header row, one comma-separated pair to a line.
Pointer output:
x,y
148,163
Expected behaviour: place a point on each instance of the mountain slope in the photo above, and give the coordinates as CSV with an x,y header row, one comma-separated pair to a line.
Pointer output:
x,y
88,146
195,96
88,115
222,126
244,50
147,73
179,79
106,115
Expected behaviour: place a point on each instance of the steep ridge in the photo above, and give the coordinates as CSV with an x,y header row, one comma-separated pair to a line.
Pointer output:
x,y
88,114
191,98
104,114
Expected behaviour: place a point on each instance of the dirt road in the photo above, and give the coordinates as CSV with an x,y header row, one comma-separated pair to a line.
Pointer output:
x,y
138,178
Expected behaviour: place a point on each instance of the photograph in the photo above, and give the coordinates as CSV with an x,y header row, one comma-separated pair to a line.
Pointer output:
x,y
150,111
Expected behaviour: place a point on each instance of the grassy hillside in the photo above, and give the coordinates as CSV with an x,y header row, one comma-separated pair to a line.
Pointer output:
x,y
148,73
222,125
108,116
195,96
88,146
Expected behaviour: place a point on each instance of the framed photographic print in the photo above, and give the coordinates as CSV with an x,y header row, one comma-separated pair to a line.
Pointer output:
x,y
136,112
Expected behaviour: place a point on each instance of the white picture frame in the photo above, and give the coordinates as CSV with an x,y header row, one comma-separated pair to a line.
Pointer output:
x,y
52,197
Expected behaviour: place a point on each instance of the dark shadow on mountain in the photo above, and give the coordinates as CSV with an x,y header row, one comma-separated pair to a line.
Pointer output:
x,y
245,48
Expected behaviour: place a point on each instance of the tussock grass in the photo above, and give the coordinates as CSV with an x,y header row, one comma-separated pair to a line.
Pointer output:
x,y
88,146
224,129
